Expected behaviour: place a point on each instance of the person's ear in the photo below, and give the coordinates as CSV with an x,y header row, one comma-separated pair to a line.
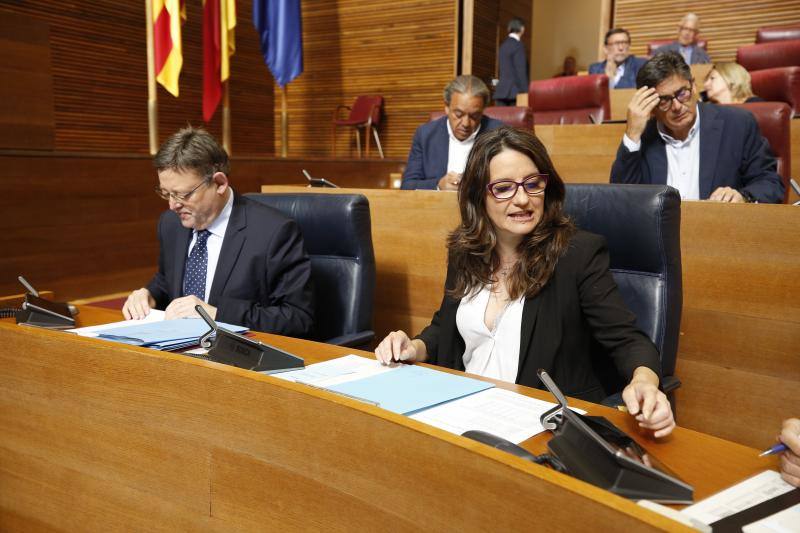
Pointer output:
x,y
220,182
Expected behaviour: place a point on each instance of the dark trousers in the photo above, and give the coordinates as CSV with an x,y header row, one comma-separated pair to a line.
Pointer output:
x,y
505,101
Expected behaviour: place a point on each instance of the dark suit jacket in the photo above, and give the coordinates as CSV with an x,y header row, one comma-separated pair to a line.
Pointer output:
x,y
513,70
427,161
733,153
628,79
575,322
263,277
698,54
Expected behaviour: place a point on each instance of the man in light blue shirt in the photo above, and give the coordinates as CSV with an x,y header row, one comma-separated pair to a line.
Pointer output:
x,y
686,44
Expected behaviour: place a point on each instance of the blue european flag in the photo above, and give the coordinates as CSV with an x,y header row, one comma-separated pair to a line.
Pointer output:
x,y
281,34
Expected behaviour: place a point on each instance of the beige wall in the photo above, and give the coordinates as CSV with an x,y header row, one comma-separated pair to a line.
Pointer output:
x,y
566,27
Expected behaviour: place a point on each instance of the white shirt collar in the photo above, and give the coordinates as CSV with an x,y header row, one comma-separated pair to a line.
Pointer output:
x,y
514,36
692,132
469,140
220,224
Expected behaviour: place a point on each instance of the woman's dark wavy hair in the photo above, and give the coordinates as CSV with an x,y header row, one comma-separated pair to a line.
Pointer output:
x,y
472,244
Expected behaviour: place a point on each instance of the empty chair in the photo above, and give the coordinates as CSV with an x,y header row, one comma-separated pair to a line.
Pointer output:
x,y
570,100
653,46
774,122
515,116
641,224
337,233
365,113
778,85
769,34
769,55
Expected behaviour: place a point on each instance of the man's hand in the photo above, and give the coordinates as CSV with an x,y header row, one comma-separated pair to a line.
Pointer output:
x,y
184,308
640,109
726,194
790,459
450,181
611,66
138,304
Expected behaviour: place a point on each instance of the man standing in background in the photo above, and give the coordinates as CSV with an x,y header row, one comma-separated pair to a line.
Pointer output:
x,y
513,65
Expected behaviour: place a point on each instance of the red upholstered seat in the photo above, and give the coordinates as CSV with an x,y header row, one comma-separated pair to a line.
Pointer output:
x,y
570,100
516,116
769,55
653,46
773,120
778,85
769,34
364,113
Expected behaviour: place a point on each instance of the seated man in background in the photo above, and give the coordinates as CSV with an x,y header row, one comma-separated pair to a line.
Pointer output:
x,y
440,148
620,66
242,261
686,45
704,150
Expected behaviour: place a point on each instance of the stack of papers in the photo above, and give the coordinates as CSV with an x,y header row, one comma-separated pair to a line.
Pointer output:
x,y
152,332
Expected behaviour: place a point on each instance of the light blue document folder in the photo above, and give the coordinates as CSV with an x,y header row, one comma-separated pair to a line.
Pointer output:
x,y
164,334
411,388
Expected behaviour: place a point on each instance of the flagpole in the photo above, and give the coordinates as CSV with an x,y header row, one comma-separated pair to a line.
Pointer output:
x,y
284,124
226,117
152,94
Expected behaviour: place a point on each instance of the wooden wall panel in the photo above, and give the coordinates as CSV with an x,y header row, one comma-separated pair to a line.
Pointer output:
x,y
401,50
726,24
100,77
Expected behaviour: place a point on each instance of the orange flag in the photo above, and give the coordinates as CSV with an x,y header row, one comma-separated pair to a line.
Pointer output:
x,y
167,17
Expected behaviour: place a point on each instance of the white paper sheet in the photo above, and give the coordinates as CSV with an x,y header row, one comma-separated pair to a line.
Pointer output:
x,y
155,315
498,411
786,521
739,497
336,371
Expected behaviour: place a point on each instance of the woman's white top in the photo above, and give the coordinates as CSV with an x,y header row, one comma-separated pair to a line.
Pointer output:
x,y
493,353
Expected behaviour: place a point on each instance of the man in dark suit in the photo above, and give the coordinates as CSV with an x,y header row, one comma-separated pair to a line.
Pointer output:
x,y
440,148
686,44
243,262
620,66
513,65
706,151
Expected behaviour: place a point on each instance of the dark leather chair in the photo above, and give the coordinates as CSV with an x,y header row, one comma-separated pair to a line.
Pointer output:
x,y
778,85
364,113
653,46
337,233
769,34
642,225
774,122
515,116
570,100
769,55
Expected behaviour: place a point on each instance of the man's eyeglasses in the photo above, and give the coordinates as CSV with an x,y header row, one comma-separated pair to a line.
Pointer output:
x,y
682,95
533,185
179,196
686,28
618,43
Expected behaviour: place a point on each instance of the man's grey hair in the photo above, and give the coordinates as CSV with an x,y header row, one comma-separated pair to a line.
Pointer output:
x,y
192,149
467,85
691,17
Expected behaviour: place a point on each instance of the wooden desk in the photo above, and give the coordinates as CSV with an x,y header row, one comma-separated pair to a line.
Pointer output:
x,y
741,322
99,436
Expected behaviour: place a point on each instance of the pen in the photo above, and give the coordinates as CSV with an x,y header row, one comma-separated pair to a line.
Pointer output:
x,y
778,448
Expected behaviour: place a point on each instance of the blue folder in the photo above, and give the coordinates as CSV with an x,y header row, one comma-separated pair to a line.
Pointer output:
x,y
411,388
164,335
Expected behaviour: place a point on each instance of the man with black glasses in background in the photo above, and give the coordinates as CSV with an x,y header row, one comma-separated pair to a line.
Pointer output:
x,y
706,151
242,261
620,66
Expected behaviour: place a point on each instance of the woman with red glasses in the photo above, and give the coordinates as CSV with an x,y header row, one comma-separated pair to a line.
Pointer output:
x,y
526,290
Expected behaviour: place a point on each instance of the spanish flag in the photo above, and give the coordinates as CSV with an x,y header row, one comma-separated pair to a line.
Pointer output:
x,y
219,21
167,15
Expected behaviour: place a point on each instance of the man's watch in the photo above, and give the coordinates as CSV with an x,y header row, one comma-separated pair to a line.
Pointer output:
x,y
748,197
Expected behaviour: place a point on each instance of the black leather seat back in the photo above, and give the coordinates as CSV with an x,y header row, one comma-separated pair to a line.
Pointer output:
x,y
641,224
337,233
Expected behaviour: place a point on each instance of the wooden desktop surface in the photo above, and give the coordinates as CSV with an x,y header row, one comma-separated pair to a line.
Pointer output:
x,y
99,435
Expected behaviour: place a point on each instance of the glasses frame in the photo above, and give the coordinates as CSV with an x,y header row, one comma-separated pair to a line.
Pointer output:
x,y
668,98
180,197
517,185
619,43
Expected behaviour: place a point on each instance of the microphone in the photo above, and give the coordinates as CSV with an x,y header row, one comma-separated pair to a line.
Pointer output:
x,y
28,287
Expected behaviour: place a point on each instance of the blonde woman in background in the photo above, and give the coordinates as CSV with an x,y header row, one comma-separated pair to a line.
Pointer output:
x,y
729,83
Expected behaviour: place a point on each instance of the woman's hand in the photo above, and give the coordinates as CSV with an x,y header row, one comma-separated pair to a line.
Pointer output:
x,y
398,347
649,405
